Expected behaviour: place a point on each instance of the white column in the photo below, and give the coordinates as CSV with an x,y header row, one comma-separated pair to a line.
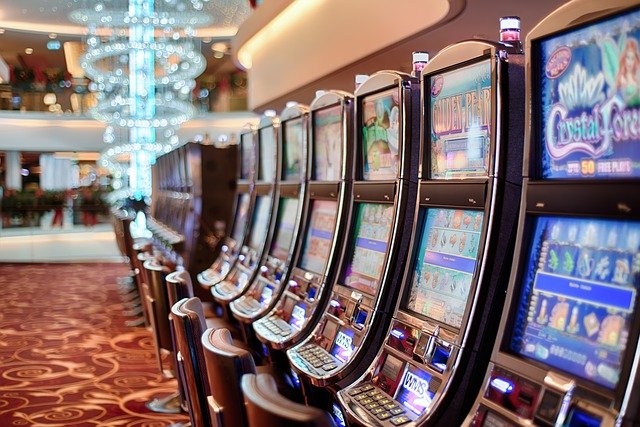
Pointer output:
x,y
55,174
13,179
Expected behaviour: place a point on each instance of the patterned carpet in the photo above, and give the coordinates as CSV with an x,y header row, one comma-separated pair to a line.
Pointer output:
x,y
66,357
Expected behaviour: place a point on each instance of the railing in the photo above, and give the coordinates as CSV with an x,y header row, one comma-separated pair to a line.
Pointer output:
x,y
50,216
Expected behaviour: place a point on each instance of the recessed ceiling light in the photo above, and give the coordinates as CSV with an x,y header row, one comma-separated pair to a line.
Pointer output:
x,y
219,47
28,51
206,40
1,30
53,36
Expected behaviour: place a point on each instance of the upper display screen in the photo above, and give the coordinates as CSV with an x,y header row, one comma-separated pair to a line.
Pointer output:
x,y
445,264
327,143
241,217
317,243
268,151
372,231
287,214
460,108
247,155
292,150
588,101
380,135
579,296
260,223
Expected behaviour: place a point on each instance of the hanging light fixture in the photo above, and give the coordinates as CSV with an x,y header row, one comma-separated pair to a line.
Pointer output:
x,y
143,60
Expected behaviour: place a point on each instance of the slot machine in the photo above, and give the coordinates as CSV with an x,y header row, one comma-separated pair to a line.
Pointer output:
x,y
462,244
567,348
239,227
262,210
273,275
313,268
381,209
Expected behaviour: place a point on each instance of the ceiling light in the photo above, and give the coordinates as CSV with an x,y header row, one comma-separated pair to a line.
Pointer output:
x,y
218,54
53,36
28,50
206,40
1,30
53,45
219,47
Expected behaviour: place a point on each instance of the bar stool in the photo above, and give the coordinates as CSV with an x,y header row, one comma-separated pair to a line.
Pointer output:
x,y
180,285
268,408
187,319
158,306
226,364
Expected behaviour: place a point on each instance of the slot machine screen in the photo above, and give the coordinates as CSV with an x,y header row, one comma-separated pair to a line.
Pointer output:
x,y
578,297
587,98
445,264
460,116
292,149
371,235
266,294
343,345
268,153
247,155
327,143
287,214
317,243
298,314
241,216
381,135
414,389
260,223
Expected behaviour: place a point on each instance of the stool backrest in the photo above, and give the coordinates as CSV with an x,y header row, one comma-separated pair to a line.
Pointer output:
x,y
226,364
179,286
156,275
188,321
268,408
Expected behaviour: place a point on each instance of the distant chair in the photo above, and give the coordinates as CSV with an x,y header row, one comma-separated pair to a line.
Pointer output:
x,y
268,408
187,318
226,364
158,307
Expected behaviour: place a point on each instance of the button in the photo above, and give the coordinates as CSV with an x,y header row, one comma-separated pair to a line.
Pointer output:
x,y
372,405
329,366
398,421
384,415
367,387
391,405
373,393
354,391
366,401
384,401
361,397
396,411
376,411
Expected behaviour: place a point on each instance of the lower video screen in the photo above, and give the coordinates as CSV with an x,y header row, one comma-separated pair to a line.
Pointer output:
x,y
372,230
445,264
578,297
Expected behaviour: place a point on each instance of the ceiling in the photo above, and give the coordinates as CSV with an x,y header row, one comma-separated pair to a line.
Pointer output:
x,y
476,19
48,16
28,23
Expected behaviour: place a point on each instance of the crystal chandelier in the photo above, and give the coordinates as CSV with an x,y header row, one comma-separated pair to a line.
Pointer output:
x,y
143,60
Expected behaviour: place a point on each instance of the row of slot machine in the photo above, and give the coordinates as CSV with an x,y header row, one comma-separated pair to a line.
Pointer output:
x,y
188,222
456,246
